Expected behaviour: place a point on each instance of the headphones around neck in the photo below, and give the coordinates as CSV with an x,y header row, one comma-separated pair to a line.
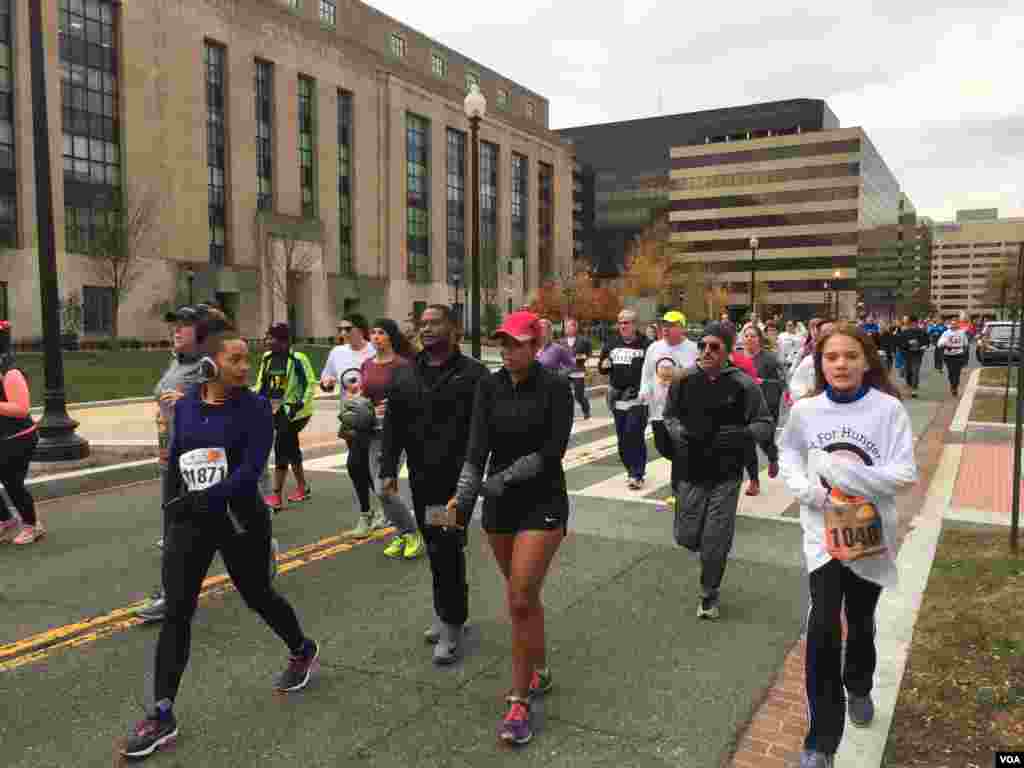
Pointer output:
x,y
208,369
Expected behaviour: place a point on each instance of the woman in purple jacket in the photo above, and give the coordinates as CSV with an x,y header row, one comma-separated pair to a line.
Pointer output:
x,y
555,357
220,445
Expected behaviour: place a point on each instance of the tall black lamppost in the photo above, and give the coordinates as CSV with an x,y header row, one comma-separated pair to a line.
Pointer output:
x,y
458,307
475,106
190,276
837,274
753,272
57,438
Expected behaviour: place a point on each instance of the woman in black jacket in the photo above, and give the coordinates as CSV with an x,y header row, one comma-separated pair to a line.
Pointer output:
x,y
522,417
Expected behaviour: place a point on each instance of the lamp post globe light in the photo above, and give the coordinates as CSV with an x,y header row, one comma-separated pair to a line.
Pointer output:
x,y
475,107
753,272
57,438
837,274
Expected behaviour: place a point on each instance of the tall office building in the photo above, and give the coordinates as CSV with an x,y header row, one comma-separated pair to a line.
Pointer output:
x,y
894,265
263,128
967,252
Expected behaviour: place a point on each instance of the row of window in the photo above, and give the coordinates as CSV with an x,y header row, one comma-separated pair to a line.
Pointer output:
x,y
850,192
789,241
6,88
418,259
753,178
767,220
850,146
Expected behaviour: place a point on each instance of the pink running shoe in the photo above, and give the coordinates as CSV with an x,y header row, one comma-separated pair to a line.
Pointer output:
x,y
273,501
301,494
30,534
9,529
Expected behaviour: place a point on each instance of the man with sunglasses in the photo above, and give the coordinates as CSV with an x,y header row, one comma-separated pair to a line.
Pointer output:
x,y
622,361
191,325
713,412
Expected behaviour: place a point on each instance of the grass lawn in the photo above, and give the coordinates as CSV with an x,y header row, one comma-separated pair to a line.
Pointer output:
x,y
104,375
962,695
990,408
996,377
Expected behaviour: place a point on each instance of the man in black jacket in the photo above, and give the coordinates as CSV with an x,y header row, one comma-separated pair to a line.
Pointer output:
x,y
581,348
428,416
713,413
622,361
913,341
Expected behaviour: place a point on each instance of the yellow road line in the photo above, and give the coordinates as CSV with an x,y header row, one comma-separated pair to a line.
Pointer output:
x,y
39,646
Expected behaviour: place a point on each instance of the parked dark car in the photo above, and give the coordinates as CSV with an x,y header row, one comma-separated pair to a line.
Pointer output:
x,y
994,343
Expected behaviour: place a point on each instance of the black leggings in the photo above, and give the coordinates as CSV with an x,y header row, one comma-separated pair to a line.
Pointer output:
x,y
579,392
835,588
188,551
15,455
358,466
954,365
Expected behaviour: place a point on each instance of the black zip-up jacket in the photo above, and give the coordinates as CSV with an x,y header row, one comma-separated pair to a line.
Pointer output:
x,y
581,346
511,421
712,423
430,423
913,341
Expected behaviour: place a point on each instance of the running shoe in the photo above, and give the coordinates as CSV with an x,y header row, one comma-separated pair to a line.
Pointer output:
x,y
541,683
155,611
274,549
30,534
378,522
811,759
446,650
861,710
754,489
433,632
396,548
515,728
274,502
773,469
362,529
414,545
151,734
300,669
301,494
708,608
9,529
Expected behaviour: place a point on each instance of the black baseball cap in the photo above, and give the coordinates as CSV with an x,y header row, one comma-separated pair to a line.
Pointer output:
x,y
279,331
190,313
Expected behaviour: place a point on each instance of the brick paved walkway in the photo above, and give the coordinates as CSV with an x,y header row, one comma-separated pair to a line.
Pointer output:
x,y
985,479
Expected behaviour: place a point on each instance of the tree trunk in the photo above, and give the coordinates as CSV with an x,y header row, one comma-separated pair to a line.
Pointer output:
x,y
115,341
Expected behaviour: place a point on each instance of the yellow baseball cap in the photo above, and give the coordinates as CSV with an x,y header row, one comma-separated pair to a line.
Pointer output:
x,y
675,316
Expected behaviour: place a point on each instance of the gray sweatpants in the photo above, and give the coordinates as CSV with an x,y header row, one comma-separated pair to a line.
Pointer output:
x,y
705,522
397,510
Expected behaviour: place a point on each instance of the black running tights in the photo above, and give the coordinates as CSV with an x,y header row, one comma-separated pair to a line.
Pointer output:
x,y
188,551
15,455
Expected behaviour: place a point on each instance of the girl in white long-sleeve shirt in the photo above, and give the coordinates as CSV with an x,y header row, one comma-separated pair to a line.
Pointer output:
x,y
854,439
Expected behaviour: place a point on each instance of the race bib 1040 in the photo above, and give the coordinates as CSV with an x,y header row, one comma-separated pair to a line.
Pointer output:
x,y
203,468
853,528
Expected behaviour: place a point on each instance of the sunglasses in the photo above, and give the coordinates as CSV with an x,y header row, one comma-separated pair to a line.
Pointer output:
x,y
711,346
345,328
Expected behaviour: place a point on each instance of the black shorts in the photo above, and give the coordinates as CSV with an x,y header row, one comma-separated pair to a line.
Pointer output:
x,y
510,515
286,442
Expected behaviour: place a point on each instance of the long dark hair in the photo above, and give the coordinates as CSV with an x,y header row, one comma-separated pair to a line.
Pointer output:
x,y
6,355
876,376
399,343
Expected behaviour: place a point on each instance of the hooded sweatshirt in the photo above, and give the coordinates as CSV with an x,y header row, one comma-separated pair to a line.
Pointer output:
x,y
183,372
712,421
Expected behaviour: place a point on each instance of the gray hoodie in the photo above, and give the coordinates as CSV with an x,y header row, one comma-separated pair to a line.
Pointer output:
x,y
183,372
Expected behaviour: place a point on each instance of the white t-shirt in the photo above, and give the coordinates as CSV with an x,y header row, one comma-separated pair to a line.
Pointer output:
x,y
344,357
651,391
801,383
789,347
954,342
866,448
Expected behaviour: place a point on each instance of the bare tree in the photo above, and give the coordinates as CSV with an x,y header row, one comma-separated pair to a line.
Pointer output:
x,y
284,265
120,247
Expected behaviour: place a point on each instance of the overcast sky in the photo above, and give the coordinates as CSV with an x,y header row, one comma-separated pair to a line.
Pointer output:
x,y
937,87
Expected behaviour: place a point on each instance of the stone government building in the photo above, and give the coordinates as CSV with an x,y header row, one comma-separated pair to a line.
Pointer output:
x,y
319,127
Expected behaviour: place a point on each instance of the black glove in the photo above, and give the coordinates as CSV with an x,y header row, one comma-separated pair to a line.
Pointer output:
x,y
494,486
198,503
630,393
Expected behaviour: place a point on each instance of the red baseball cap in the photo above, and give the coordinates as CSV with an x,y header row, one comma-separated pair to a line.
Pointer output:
x,y
521,326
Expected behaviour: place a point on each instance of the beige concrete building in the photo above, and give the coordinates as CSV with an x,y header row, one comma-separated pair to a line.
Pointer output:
x,y
965,253
805,196
318,130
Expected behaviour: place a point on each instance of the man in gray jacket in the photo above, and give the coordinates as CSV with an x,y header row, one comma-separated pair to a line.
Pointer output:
x,y
712,414
192,324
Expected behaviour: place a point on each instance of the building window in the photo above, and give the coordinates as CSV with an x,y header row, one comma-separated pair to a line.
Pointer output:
x,y
502,97
520,184
489,214
345,264
295,4
545,218
472,78
397,45
88,67
6,88
439,65
213,57
417,164
530,110
97,309
264,135
328,12
307,165
456,207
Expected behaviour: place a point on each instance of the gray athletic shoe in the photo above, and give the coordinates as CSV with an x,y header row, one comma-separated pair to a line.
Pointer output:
x,y
811,759
378,521
708,608
446,651
861,710
154,611
433,633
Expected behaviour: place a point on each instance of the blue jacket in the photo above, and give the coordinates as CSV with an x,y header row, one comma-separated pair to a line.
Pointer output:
x,y
243,427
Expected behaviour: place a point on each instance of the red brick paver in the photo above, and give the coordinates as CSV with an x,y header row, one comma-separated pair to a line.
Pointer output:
x,y
985,479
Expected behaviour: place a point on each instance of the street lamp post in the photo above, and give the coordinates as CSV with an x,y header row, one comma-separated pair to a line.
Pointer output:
x,y
753,273
458,307
837,274
475,107
190,276
57,438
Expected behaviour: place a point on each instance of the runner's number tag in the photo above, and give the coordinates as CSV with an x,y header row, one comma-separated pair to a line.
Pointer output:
x,y
853,529
203,468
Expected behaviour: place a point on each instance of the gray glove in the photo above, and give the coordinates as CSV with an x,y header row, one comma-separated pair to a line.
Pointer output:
x,y
468,487
520,470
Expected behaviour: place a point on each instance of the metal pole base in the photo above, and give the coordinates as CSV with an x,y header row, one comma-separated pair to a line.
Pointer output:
x,y
58,440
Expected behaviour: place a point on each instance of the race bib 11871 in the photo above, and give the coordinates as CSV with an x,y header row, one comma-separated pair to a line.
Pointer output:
x,y
203,468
